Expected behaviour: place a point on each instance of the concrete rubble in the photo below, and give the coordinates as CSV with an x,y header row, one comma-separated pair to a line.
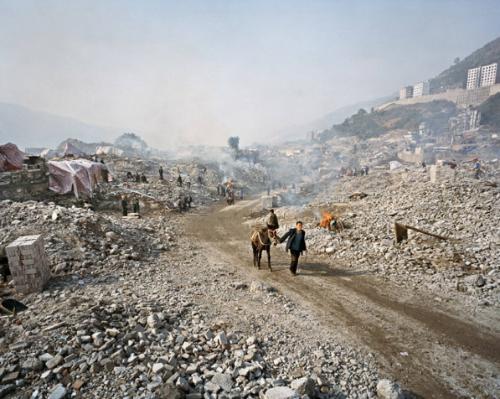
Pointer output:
x,y
462,208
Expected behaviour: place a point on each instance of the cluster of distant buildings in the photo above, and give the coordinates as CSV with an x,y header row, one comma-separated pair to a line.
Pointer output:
x,y
481,76
417,90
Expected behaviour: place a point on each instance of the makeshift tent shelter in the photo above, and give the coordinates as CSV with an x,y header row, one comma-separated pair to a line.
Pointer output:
x,y
79,175
11,157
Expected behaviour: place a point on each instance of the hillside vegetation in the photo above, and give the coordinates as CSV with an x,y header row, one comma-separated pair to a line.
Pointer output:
x,y
456,75
365,125
490,112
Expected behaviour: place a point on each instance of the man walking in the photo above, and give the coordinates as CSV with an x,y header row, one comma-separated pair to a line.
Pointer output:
x,y
272,223
160,171
296,244
124,206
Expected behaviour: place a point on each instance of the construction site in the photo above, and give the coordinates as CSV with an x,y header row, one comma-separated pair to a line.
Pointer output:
x,y
359,258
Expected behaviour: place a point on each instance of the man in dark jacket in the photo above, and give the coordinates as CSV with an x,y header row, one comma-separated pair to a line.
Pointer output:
x,y
124,206
296,244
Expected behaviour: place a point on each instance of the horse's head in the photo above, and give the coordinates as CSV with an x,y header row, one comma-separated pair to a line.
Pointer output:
x,y
273,236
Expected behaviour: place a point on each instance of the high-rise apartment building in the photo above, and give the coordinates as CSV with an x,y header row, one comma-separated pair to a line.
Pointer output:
x,y
473,78
421,89
406,92
488,75
482,76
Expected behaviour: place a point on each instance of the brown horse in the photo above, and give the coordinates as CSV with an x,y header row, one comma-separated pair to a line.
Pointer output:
x,y
261,241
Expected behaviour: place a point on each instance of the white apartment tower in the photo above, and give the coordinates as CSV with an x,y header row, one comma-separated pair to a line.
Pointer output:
x,y
488,75
473,78
406,92
421,89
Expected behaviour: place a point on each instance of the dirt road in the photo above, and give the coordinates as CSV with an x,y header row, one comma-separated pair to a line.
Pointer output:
x,y
434,349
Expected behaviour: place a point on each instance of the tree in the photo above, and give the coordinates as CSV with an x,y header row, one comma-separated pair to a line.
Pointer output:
x,y
456,60
234,143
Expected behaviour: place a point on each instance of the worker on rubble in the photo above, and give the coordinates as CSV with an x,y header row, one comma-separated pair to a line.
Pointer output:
x,y
477,169
160,171
137,177
143,178
104,174
124,206
272,223
296,244
135,205
179,180
188,183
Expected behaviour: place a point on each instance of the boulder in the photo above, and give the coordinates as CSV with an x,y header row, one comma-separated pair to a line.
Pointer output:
x,y
281,393
387,389
304,386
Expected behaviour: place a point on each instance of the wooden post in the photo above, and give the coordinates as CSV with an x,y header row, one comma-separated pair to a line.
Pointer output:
x,y
401,232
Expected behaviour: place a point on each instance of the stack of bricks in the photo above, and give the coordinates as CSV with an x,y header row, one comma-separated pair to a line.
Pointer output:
x,y
28,264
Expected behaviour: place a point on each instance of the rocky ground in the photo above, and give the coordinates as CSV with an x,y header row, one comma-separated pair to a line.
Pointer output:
x,y
161,318
168,306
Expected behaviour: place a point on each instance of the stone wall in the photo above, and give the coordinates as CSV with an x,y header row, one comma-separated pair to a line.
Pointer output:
x,y
458,96
24,184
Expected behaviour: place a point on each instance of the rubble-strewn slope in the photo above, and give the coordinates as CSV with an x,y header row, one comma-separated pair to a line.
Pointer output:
x,y
80,240
464,209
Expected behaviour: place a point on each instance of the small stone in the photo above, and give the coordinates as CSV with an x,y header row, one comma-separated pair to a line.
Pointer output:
x,y
158,367
112,332
54,362
303,386
211,387
480,281
281,393
225,381
59,392
6,389
387,389
221,339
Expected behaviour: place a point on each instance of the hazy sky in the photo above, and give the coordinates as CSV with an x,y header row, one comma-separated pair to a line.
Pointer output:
x,y
198,71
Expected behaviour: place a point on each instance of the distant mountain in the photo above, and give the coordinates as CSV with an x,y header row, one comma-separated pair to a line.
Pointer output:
x,y
456,75
299,132
28,128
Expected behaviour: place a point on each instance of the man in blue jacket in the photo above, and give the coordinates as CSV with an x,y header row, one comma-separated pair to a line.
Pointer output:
x,y
296,244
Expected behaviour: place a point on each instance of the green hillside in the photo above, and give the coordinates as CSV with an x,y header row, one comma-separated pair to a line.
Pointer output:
x,y
408,117
490,112
456,75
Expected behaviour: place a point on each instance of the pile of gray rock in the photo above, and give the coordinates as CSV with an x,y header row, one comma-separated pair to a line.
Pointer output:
x,y
461,208
79,239
151,332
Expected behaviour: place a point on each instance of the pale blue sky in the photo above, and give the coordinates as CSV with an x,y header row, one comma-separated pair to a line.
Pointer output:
x,y
196,71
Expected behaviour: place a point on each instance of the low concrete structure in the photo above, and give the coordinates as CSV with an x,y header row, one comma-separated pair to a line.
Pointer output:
x,y
28,264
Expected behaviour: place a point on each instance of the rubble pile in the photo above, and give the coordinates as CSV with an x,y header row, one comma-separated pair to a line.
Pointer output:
x,y
81,240
149,332
461,208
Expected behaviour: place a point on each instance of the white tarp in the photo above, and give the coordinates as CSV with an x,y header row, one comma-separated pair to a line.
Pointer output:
x,y
79,175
